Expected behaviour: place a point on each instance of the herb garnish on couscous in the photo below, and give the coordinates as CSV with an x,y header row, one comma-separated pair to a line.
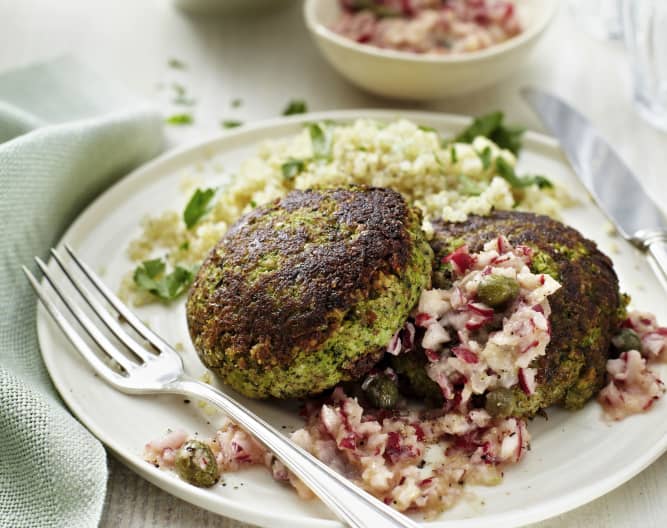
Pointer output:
x,y
445,178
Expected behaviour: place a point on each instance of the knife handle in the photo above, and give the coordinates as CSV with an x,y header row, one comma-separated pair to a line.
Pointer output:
x,y
657,249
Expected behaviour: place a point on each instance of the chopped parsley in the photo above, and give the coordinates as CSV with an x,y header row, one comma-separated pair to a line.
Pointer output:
x,y
492,126
508,137
236,103
425,128
506,171
198,206
184,100
231,123
150,269
296,106
469,186
180,119
181,97
321,140
485,157
452,154
184,246
291,168
150,276
176,64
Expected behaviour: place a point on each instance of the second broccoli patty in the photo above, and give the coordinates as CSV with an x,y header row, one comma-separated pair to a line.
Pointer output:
x,y
306,292
585,311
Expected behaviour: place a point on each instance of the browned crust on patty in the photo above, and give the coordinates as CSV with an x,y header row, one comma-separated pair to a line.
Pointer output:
x,y
331,249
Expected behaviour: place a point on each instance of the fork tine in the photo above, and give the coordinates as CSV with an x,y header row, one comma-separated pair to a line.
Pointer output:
x,y
100,339
118,305
101,312
95,362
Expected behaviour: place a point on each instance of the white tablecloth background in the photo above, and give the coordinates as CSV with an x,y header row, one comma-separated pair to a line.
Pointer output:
x,y
266,61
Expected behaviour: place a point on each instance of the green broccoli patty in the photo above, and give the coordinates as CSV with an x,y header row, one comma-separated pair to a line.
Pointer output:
x,y
306,292
584,312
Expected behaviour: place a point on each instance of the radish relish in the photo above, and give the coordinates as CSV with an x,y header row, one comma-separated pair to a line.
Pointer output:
x,y
484,332
633,387
476,338
428,26
487,329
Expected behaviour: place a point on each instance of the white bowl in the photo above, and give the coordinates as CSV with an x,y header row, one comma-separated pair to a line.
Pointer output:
x,y
406,75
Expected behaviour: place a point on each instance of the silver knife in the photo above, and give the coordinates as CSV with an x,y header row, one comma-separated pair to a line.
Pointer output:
x,y
615,188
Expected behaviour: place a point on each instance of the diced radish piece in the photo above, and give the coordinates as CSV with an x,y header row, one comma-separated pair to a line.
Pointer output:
x,y
465,354
477,321
422,319
348,442
461,260
408,336
435,336
632,387
527,380
394,347
532,344
481,309
502,244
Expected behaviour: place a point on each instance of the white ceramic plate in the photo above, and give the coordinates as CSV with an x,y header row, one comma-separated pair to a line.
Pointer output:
x,y
575,457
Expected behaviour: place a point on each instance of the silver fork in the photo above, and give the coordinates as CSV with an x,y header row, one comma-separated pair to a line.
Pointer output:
x,y
151,373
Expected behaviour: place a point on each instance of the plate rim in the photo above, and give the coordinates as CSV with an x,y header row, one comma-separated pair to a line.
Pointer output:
x,y
147,172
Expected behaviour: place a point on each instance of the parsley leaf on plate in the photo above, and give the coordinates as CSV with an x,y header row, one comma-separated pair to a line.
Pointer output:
x,y
182,100
198,206
231,123
150,276
481,126
485,157
296,106
492,126
148,271
452,154
180,119
506,171
179,89
176,64
181,97
292,167
176,282
321,139
469,186
508,137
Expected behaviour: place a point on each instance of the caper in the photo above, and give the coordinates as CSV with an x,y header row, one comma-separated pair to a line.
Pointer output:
x,y
195,463
497,291
500,402
625,340
382,392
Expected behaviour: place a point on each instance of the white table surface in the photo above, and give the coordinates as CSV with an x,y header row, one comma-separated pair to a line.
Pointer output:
x,y
269,59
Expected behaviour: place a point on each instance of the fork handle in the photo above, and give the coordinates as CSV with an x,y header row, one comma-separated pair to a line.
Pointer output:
x,y
350,503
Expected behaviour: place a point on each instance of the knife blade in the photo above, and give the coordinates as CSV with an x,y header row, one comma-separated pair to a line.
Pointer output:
x,y
607,177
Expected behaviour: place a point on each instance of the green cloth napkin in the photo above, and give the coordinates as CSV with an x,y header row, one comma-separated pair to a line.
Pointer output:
x,y
65,135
